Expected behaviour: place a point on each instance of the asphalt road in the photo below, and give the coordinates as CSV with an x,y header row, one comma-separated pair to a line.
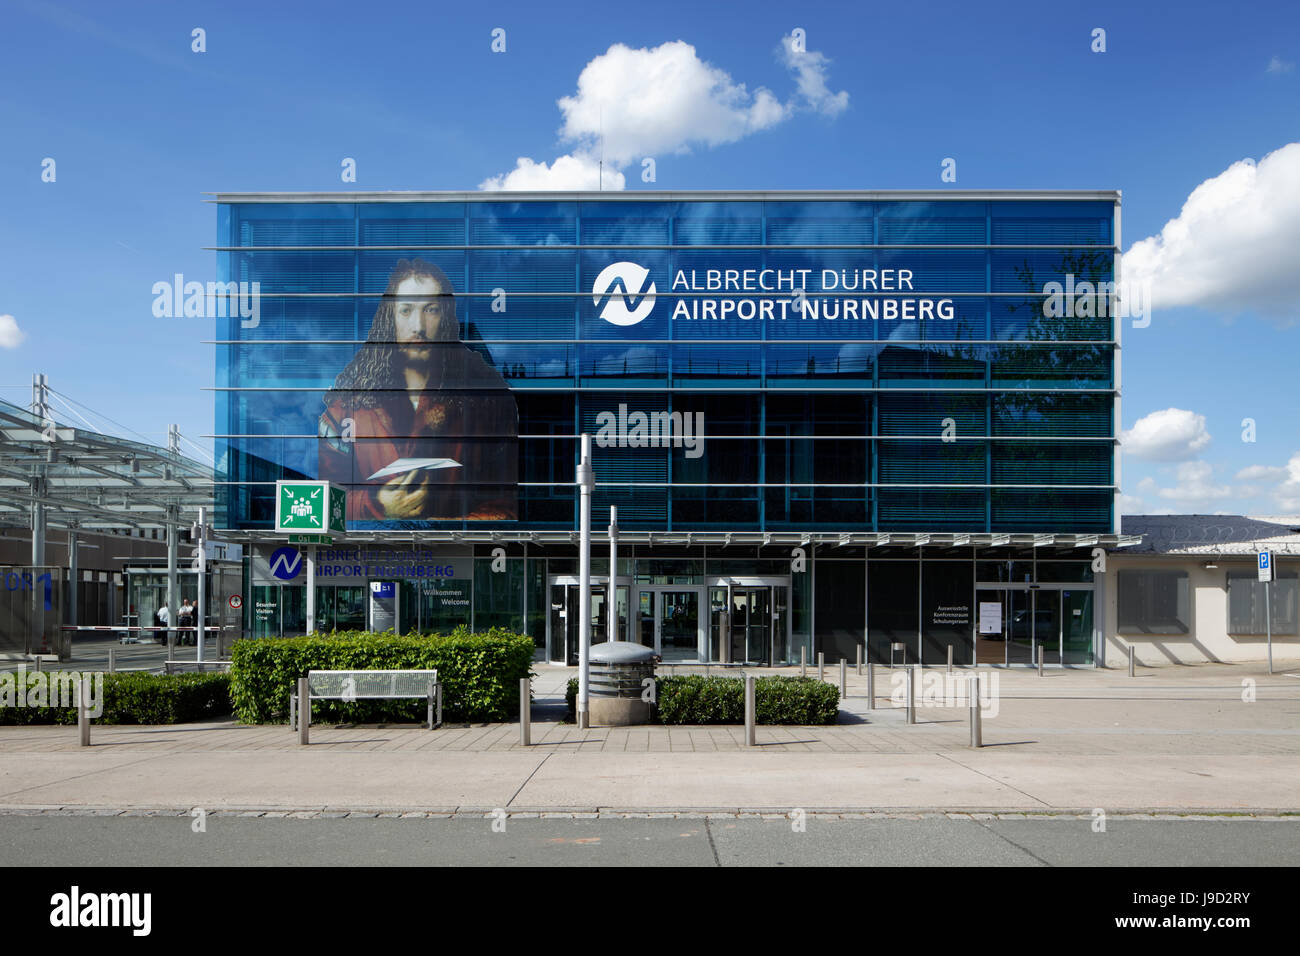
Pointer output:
x,y
86,841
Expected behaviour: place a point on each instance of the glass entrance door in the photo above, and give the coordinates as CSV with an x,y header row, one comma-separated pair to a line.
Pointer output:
x,y
648,620
679,625
1047,625
1076,627
1019,623
564,618
992,626
751,625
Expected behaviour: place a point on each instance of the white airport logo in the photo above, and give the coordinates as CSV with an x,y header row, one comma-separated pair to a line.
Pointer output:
x,y
624,293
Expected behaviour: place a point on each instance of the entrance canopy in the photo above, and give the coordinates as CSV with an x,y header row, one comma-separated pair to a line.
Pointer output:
x,y
77,478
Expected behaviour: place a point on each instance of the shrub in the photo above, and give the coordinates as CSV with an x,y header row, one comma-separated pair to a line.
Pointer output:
x,y
479,673
128,699
693,699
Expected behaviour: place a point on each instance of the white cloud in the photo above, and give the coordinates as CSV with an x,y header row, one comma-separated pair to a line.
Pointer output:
x,y
1173,434
1131,505
810,75
1287,493
1279,65
1195,485
1233,244
1261,473
568,173
661,100
649,102
10,335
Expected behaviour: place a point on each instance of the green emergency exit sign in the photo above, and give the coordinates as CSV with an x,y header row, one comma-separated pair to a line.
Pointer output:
x,y
310,506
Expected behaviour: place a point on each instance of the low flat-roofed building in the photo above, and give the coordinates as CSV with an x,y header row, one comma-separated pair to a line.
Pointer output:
x,y
1190,592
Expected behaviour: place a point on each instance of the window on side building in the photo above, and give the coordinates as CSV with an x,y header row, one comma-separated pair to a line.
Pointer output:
x,y
1246,603
1154,602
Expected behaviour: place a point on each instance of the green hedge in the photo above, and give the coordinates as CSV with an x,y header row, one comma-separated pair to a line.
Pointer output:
x,y
479,673
128,699
694,699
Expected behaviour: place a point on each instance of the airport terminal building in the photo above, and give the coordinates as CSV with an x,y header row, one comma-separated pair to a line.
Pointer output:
x,y
825,419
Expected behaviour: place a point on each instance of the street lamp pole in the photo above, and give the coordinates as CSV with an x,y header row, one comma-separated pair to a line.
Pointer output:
x,y
612,592
586,484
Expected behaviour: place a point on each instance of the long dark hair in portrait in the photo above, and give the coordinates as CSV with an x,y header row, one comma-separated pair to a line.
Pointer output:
x,y
377,366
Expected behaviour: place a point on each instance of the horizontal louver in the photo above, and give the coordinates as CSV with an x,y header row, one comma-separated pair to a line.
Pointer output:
x,y
296,232
1050,463
926,414
930,462
940,231
1042,232
522,232
708,232
793,232
413,232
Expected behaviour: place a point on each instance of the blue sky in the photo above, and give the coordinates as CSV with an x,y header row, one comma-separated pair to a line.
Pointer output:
x,y
140,127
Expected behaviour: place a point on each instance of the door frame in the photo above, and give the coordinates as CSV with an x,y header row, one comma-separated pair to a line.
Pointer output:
x,y
732,581
1058,586
572,580
701,620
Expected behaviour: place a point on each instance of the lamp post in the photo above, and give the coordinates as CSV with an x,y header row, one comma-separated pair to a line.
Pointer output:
x,y
199,536
586,484
612,595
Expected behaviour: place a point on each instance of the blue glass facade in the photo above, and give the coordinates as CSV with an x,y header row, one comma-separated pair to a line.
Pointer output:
x,y
851,363
997,418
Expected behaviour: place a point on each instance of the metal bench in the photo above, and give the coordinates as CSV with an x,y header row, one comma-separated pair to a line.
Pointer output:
x,y
369,685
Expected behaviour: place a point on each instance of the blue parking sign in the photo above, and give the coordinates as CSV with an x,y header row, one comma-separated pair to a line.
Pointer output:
x,y
1264,565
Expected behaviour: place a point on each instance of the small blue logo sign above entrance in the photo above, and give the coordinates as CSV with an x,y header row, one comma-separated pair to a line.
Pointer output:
x,y
286,562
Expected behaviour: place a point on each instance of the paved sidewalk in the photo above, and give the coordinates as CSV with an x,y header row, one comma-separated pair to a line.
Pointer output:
x,y
1175,739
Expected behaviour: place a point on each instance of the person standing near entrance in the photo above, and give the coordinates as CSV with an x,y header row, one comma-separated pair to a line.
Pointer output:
x,y
161,616
186,615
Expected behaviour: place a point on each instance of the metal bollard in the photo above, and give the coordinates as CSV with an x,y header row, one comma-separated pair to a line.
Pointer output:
x,y
949,658
220,644
304,712
83,712
38,663
751,735
803,662
1040,660
871,686
976,730
525,712
437,696
911,699
859,660
1132,662
112,660
821,665
844,674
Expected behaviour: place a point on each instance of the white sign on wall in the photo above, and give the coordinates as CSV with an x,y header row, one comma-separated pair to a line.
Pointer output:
x,y
990,617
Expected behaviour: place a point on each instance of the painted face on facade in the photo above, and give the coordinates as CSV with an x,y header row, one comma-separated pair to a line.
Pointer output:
x,y
424,312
